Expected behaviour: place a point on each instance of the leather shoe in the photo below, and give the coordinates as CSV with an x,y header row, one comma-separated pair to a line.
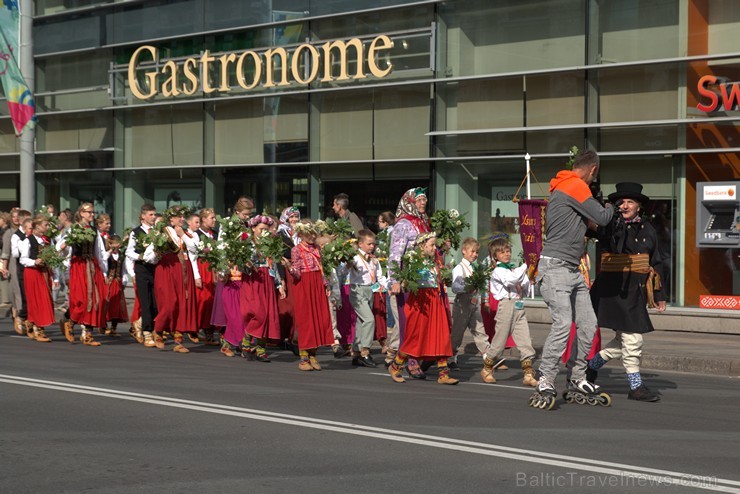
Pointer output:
x,y
366,361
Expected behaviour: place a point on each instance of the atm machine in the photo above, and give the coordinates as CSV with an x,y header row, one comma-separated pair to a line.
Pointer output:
x,y
717,214
718,219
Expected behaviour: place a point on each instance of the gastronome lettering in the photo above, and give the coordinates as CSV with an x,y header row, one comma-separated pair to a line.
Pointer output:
x,y
274,67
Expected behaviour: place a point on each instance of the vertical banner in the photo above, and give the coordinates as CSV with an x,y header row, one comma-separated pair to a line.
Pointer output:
x,y
532,229
20,100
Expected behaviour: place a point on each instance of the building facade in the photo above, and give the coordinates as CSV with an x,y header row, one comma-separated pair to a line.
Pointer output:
x,y
232,97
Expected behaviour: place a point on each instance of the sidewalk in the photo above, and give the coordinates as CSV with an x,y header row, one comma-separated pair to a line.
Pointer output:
x,y
697,353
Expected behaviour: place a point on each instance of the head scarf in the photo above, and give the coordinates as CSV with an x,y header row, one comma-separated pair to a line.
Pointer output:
x,y
407,209
284,225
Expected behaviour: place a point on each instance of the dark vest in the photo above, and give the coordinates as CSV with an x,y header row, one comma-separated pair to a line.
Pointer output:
x,y
115,267
85,250
136,233
21,237
34,247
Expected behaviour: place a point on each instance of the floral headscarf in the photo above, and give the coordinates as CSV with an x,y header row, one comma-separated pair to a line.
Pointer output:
x,y
407,209
285,227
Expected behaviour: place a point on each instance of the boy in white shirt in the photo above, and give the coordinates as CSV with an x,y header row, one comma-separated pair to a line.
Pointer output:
x,y
508,282
466,307
365,278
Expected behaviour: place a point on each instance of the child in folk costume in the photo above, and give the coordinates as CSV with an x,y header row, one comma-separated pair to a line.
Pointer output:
x,y
290,217
313,323
427,332
205,293
174,284
466,311
259,301
226,312
190,238
117,310
508,283
37,279
86,280
141,264
365,280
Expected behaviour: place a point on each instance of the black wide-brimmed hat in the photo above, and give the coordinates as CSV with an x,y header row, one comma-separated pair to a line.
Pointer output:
x,y
629,190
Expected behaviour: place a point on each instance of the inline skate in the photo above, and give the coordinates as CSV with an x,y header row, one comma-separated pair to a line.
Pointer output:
x,y
584,392
544,395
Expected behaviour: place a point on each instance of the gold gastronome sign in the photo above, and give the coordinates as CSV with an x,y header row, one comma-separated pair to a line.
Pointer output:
x,y
271,68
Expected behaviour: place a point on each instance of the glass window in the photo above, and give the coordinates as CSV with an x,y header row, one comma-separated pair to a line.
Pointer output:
x,y
9,164
72,71
89,131
636,30
484,37
723,25
69,190
69,33
69,161
638,93
165,135
273,188
9,185
9,143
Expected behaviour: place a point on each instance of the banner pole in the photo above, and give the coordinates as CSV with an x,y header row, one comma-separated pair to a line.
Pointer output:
x,y
529,191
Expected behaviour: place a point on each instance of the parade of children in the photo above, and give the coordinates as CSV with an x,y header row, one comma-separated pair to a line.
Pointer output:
x,y
270,289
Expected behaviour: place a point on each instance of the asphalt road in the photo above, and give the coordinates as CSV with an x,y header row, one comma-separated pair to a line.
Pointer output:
x,y
122,418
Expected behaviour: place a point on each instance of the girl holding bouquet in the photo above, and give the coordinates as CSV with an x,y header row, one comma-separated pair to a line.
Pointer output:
x,y
204,294
309,297
116,310
37,278
174,283
427,332
259,301
86,281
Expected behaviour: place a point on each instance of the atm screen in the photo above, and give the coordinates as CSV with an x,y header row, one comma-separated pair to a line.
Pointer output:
x,y
722,221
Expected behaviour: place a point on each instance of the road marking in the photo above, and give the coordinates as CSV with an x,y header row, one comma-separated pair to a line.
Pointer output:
x,y
467,383
656,476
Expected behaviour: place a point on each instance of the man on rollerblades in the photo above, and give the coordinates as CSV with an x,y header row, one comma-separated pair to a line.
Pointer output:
x,y
572,209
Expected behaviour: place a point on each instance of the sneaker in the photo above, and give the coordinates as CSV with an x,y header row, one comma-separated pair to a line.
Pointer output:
x,y
643,394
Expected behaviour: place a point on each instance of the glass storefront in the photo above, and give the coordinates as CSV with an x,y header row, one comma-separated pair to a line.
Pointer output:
x,y
474,86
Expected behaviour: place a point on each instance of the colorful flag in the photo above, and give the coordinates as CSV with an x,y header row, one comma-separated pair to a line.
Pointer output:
x,y
20,100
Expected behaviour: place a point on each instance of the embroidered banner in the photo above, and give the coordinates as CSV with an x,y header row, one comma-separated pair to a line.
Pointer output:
x,y
532,228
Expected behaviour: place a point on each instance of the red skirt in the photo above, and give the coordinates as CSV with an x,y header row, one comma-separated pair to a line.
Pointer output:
x,y
259,306
136,311
204,294
312,321
381,316
427,333
285,309
117,310
86,293
37,283
174,290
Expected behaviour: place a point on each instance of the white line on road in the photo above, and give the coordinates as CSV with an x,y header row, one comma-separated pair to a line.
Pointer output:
x,y
651,475
468,383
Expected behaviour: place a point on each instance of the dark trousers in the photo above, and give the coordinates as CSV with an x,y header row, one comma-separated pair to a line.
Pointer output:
x,y
23,312
145,291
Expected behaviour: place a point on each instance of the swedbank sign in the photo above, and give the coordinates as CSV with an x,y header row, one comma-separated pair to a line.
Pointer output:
x,y
271,68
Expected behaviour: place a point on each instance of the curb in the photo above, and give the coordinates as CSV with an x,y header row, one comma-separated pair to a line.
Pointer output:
x,y
677,363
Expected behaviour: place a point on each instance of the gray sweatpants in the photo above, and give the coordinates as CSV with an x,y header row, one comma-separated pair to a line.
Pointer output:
x,y
361,298
566,295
